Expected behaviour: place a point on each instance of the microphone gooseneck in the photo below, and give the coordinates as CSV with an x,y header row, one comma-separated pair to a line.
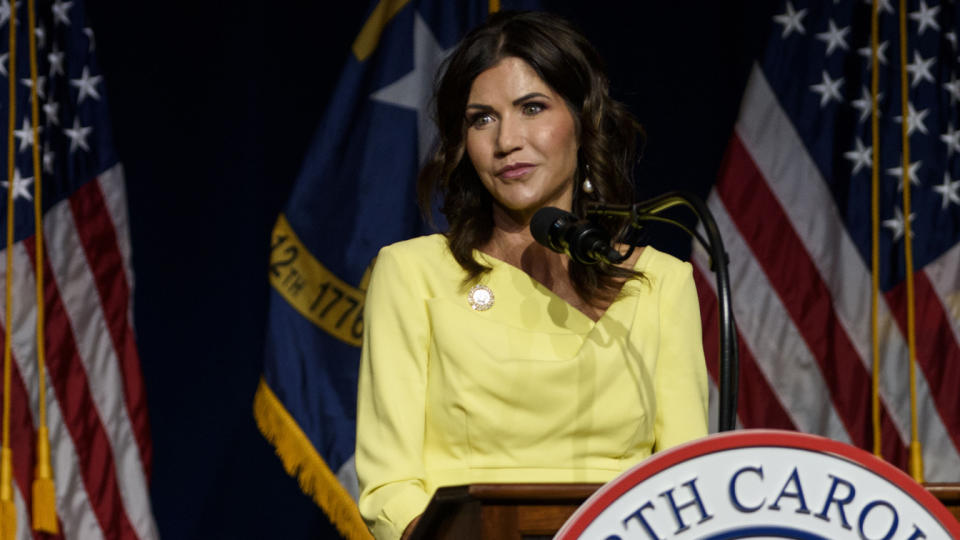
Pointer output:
x,y
588,243
729,350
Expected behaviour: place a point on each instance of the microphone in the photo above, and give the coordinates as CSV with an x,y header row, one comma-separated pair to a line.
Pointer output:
x,y
584,241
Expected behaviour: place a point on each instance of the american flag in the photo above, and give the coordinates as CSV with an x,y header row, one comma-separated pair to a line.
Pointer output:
x,y
95,400
793,204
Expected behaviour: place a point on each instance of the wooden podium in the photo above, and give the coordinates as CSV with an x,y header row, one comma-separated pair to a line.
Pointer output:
x,y
948,494
535,511
500,511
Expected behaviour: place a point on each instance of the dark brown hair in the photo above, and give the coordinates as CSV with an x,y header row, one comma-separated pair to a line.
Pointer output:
x,y
607,134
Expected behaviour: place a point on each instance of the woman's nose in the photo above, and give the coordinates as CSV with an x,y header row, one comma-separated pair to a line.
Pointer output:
x,y
509,135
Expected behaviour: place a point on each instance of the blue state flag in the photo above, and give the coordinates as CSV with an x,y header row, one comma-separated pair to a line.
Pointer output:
x,y
355,194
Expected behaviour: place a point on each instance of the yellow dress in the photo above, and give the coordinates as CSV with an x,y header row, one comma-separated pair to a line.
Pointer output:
x,y
530,390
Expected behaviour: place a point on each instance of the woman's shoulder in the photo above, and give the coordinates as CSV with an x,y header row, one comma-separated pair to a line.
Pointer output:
x,y
423,255
652,259
423,263
429,248
658,267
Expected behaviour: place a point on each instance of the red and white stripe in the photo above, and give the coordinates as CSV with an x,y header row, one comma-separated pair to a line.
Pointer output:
x,y
945,280
96,406
802,303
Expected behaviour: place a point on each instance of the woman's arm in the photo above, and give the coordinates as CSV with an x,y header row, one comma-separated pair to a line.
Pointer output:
x,y
391,397
681,374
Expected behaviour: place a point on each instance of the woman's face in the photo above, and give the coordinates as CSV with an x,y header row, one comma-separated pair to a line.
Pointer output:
x,y
521,139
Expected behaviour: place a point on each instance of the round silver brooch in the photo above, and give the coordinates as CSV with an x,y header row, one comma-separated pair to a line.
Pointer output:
x,y
480,298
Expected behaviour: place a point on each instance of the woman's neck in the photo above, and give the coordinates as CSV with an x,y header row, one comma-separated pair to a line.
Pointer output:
x,y
512,242
517,247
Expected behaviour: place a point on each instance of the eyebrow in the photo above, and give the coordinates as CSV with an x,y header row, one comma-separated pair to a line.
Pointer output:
x,y
517,101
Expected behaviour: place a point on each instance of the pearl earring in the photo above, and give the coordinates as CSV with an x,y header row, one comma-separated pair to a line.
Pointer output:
x,y
587,186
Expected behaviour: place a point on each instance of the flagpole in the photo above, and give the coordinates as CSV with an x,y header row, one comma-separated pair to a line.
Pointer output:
x,y
44,492
8,511
875,226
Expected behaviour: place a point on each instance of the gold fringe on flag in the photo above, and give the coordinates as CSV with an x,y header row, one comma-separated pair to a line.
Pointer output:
x,y
301,460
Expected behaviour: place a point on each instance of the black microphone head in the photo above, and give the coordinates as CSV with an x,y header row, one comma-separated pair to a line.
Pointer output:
x,y
547,226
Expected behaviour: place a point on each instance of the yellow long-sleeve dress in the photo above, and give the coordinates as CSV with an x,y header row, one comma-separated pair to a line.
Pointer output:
x,y
529,390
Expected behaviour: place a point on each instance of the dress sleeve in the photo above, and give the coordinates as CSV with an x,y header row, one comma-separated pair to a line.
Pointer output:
x,y
391,398
681,375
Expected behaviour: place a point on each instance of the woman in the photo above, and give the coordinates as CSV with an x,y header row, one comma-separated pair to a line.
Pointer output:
x,y
489,358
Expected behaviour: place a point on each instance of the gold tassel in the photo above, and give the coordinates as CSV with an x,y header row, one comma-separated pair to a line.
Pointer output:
x,y
45,506
44,493
8,520
8,511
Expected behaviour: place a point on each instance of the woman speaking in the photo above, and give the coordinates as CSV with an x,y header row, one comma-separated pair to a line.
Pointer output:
x,y
486,356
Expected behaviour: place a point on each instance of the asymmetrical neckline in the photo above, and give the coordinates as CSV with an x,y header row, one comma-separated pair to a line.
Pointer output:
x,y
575,320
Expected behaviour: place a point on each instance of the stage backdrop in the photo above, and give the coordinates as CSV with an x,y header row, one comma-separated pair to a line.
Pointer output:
x,y
213,108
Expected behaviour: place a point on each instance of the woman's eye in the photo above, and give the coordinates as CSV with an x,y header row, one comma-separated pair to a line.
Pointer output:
x,y
480,119
533,108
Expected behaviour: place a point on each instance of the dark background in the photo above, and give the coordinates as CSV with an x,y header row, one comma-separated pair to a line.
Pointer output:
x,y
213,105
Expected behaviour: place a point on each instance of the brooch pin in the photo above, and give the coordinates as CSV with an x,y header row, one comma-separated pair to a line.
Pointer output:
x,y
480,298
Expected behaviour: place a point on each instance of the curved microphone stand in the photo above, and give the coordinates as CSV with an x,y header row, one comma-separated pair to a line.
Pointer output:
x,y
729,353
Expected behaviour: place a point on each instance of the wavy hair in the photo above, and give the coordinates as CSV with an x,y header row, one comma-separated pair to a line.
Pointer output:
x,y
607,135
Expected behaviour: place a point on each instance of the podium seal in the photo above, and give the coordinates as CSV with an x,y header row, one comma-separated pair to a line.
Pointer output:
x,y
762,484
